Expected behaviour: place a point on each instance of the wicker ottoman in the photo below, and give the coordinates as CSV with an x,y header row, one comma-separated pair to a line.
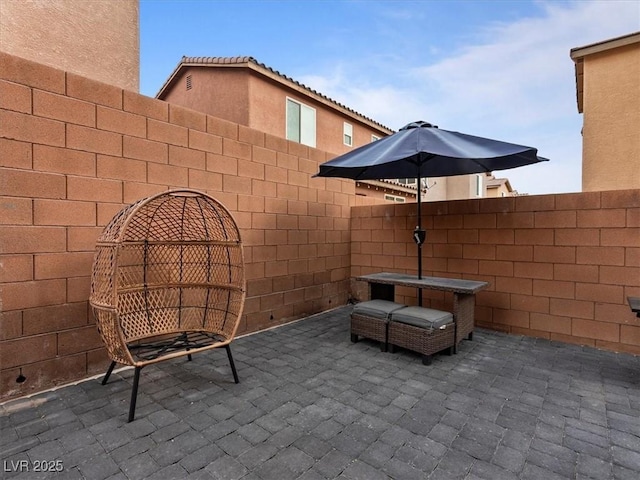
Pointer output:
x,y
423,330
370,319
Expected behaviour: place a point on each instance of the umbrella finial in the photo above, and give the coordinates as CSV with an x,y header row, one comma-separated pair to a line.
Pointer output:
x,y
418,124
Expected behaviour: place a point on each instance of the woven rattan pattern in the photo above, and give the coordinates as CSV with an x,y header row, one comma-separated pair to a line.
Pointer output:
x,y
421,340
170,263
464,312
369,327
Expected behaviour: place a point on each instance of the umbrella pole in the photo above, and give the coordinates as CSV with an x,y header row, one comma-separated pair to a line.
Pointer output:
x,y
419,185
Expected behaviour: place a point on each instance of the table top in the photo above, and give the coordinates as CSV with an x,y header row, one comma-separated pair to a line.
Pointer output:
x,y
434,283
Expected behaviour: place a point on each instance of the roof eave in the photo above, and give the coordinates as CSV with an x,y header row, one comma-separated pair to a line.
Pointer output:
x,y
308,92
390,185
169,81
579,53
261,69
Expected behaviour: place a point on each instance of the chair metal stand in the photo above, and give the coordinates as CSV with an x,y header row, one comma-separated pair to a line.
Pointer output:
x,y
233,365
136,380
108,374
134,394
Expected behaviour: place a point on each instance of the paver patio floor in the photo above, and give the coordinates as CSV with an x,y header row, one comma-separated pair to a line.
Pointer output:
x,y
312,405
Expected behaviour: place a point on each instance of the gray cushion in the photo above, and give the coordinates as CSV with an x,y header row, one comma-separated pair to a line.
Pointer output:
x,y
428,318
377,308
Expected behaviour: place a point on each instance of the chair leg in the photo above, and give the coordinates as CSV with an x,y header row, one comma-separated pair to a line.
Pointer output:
x,y
354,338
108,374
185,337
383,346
134,394
233,366
470,336
426,359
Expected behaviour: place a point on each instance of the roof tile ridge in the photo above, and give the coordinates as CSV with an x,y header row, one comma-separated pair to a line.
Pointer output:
x,y
306,87
217,60
253,60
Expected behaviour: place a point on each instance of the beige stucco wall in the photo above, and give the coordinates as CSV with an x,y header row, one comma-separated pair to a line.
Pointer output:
x,y
223,95
267,100
611,142
268,107
451,188
243,96
498,192
268,113
96,39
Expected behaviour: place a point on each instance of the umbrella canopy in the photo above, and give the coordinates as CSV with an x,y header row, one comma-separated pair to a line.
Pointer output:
x,y
420,150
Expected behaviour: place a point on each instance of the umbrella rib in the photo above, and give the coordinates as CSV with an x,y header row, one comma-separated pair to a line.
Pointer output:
x,y
484,168
423,158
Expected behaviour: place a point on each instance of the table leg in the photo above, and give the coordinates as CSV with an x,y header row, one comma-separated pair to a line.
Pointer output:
x,y
464,306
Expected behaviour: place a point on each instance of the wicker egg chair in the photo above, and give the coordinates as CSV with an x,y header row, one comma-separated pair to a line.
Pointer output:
x,y
168,280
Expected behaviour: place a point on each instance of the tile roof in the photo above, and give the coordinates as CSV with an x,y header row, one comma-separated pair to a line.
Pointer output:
x,y
250,62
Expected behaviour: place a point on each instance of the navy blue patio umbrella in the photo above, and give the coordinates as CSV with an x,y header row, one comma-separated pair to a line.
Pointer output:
x,y
420,150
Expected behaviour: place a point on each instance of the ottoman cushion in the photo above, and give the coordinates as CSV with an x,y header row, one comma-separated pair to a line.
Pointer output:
x,y
377,308
422,317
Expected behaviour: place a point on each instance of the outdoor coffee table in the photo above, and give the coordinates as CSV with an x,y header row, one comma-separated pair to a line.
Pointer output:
x,y
382,286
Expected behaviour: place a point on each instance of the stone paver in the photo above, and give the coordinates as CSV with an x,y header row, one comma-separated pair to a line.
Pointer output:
x,y
312,405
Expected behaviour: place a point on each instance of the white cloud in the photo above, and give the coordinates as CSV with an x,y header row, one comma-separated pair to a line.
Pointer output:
x,y
516,83
521,75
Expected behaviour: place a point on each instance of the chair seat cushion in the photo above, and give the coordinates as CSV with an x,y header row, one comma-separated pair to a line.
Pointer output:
x,y
422,317
377,308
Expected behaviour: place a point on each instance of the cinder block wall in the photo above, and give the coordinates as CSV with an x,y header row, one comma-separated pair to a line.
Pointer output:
x,y
560,266
74,151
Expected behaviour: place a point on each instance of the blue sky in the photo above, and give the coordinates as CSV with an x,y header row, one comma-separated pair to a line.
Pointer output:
x,y
499,69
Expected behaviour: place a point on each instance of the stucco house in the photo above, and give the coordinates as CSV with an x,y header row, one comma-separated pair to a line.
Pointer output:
x,y
245,91
499,187
608,95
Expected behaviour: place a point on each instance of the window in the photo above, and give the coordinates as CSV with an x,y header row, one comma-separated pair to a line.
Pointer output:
x,y
348,134
407,181
374,138
478,185
301,123
394,198
413,182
